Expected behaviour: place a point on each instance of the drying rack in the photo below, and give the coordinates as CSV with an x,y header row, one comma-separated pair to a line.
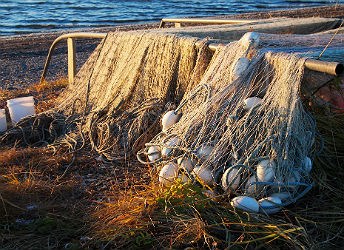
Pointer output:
x,y
331,68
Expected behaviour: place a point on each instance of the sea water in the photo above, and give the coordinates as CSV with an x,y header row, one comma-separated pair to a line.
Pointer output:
x,y
30,16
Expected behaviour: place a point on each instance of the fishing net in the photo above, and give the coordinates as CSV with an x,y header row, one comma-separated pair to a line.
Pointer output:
x,y
242,131
234,124
116,99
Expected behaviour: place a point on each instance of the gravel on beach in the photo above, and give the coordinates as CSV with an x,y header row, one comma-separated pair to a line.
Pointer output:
x,y
22,57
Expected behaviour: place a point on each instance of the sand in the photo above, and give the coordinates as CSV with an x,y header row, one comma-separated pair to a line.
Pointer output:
x,y
22,57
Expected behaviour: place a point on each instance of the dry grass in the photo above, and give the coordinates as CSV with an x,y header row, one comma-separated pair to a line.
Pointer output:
x,y
182,216
35,202
54,200
44,93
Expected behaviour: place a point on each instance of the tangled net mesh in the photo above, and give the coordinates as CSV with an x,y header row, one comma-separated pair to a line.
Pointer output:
x,y
117,99
219,141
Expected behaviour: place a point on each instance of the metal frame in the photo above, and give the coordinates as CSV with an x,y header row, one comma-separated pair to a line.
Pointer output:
x,y
71,38
332,68
179,21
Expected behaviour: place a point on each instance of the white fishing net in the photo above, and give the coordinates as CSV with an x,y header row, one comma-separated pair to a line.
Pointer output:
x,y
114,104
242,131
236,125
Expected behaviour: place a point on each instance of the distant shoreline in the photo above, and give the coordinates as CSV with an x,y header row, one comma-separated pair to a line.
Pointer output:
x,y
22,56
24,17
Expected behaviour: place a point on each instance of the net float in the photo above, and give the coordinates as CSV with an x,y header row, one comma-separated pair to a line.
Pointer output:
x,y
252,102
245,203
183,178
170,118
168,174
270,205
250,39
307,164
204,151
230,179
185,163
282,195
251,188
265,170
205,175
153,153
239,67
3,121
172,142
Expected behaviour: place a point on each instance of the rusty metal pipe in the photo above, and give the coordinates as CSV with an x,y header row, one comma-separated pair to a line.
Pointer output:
x,y
63,37
331,68
202,21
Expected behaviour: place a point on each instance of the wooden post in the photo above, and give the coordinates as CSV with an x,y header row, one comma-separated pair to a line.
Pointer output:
x,y
178,25
162,24
71,59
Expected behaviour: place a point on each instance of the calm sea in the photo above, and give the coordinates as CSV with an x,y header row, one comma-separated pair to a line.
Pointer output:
x,y
29,16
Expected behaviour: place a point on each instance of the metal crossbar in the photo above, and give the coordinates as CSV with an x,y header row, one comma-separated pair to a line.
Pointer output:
x,y
71,51
179,21
332,68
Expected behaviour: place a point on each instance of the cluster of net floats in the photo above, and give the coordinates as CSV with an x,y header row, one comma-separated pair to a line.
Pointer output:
x,y
173,164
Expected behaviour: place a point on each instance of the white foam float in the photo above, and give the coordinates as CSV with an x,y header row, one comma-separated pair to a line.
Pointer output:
x,y
170,118
186,163
250,39
251,188
153,153
20,107
168,174
204,151
245,203
270,205
252,102
265,170
172,142
3,121
204,174
307,164
230,179
239,67
183,178
282,195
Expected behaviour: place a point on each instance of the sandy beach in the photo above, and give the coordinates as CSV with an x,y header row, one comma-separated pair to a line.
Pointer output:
x,y
22,57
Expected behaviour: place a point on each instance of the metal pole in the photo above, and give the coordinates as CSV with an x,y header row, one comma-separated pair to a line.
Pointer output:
x,y
179,21
331,68
66,36
71,59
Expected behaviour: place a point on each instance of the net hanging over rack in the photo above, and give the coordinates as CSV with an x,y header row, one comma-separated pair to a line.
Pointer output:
x,y
242,131
116,99
235,124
